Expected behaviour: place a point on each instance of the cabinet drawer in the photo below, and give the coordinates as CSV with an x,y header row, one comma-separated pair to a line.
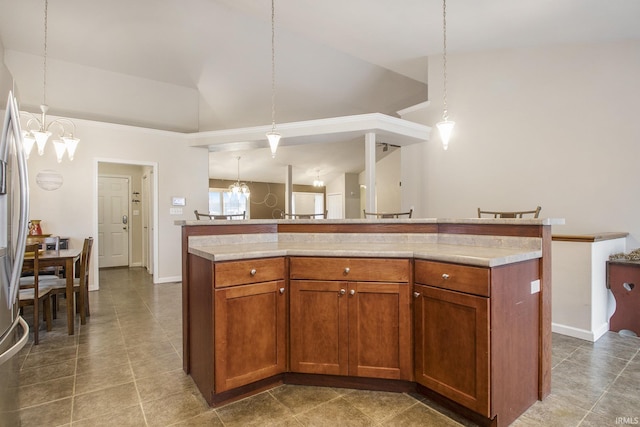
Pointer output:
x,y
360,269
244,272
462,278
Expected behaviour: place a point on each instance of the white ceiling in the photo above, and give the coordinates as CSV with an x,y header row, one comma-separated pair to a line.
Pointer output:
x,y
334,57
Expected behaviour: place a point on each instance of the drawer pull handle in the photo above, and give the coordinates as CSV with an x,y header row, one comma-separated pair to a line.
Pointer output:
x,y
281,291
445,276
416,294
352,292
347,270
253,271
342,292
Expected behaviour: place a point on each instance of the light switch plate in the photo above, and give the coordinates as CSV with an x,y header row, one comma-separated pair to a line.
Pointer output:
x,y
175,211
535,286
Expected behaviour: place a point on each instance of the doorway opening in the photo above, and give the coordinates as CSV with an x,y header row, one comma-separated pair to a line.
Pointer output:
x,y
125,215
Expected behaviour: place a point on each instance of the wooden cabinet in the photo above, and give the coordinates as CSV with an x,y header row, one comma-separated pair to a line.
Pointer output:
x,y
351,327
250,327
476,339
238,313
452,345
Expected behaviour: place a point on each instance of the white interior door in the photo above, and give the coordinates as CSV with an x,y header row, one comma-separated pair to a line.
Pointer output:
x,y
113,221
334,206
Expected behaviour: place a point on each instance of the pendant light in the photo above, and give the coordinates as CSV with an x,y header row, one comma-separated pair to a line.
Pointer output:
x,y
37,131
273,136
239,187
445,127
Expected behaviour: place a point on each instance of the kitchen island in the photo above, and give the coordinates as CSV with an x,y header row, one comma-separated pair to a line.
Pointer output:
x,y
458,310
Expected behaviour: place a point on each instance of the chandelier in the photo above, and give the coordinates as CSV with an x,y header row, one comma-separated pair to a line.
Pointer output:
x,y
239,187
37,131
445,127
318,182
273,136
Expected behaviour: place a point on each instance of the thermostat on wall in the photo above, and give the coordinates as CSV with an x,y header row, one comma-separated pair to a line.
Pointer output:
x,y
178,201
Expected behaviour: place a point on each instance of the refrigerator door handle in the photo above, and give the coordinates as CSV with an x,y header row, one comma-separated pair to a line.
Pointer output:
x,y
24,200
18,345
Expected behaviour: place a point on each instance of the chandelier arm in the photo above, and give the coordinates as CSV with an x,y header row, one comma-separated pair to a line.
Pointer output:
x,y
61,122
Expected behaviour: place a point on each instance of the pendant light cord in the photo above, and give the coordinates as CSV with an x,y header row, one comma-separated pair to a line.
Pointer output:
x,y
44,66
445,114
273,66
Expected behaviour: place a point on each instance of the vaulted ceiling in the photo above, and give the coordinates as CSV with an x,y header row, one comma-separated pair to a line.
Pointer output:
x,y
334,57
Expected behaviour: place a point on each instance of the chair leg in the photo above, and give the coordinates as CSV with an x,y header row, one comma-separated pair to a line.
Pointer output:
x,y
47,312
36,321
56,305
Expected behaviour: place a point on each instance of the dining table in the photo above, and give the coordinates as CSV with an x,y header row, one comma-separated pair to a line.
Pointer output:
x,y
67,259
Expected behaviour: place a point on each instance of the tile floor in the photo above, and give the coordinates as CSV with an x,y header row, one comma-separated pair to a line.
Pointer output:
x,y
124,368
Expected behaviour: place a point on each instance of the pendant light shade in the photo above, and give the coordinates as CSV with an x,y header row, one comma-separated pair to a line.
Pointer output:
x,y
239,187
445,127
274,140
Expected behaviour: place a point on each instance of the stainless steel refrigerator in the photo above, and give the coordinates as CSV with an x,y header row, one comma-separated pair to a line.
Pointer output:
x,y
14,214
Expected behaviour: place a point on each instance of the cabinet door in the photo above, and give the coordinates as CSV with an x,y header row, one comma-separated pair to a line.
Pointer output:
x,y
318,327
250,333
452,345
380,330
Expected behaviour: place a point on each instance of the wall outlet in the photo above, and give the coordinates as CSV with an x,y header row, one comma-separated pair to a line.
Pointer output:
x,y
535,286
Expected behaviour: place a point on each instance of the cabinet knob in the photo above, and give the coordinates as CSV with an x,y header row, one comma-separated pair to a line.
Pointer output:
x,y
352,292
347,270
445,276
253,271
281,290
416,294
342,292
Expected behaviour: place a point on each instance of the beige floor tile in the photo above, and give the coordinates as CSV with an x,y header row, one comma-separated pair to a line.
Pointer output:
x,y
418,415
303,398
164,384
173,408
379,405
39,374
101,402
103,377
55,413
154,365
206,419
336,412
43,392
259,410
123,417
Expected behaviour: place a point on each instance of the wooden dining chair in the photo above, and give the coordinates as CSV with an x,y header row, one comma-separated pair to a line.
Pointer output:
x,y
58,286
388,214
509,214
30,293
216,216
284,215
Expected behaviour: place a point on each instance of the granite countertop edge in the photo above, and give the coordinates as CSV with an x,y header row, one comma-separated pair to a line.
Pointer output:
x,y
476,255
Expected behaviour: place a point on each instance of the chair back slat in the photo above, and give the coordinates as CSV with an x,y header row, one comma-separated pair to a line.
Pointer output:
x,y
535,213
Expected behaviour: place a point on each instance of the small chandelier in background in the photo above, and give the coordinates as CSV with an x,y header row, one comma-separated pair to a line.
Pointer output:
x,y
239,187
318,182
273,136
37,131
445,126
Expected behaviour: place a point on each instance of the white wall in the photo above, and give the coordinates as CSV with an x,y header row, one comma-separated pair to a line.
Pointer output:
x,y
555,126
70,210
